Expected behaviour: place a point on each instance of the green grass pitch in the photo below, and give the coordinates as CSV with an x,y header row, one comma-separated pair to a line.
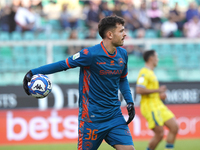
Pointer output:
x,y
189,144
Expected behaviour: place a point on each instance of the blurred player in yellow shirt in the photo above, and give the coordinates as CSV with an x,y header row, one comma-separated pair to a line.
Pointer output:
x,y
151,105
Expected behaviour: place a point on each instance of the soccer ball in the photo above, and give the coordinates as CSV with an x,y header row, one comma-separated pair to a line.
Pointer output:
x,y
39,86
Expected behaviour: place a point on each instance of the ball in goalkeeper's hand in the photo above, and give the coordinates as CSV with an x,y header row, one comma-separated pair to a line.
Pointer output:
x,y
163,96
40,86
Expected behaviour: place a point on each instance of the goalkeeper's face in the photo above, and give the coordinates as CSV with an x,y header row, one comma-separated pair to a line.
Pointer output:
x,y
119,35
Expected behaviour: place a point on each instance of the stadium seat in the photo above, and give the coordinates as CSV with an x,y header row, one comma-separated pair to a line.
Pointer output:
x,y
20,64
173,75
4,36
55,24
193,61
177,49
18,51
162,75
64,35
41,50
7,64
31,50
156,47
54,36
197,50
151,34
6,52
81,23
189,47
16,36
135,61
189,74
165,49
181,61
178,33
41,36
133,74
81,35
28,35
166,62
6,78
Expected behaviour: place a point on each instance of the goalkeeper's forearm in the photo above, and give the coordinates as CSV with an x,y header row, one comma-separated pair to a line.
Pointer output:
x,y
51,68
125,90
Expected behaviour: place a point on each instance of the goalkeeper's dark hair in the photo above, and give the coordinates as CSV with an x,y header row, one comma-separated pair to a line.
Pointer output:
x,y
108,23
148,54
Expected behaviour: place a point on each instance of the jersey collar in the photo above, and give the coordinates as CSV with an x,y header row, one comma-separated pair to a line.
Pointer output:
x,y
107,51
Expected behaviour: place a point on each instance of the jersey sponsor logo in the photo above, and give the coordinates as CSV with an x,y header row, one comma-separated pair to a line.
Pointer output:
x,y
75,56
112,62
101,63
85,51
110,72
120,62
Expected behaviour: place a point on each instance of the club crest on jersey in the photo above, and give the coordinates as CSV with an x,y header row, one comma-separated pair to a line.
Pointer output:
x,y
75,56
120,61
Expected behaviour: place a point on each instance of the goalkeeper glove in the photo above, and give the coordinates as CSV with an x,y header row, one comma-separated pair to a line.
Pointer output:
x,y
27,78
131,112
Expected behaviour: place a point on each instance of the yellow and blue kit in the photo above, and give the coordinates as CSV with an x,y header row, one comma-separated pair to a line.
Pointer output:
x,y
151,106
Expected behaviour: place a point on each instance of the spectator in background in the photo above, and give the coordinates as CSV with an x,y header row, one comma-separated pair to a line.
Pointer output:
x,y
192,11
131,19
118,9
155,15
4,19
92,33
140,33
93,16
40,17
191,28
142,16
11,17
104,10
177,16
67,20
25,19
168,28
73,49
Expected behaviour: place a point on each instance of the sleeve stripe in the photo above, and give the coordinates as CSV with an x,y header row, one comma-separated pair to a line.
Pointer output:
x,y
124,75
140,85
68,63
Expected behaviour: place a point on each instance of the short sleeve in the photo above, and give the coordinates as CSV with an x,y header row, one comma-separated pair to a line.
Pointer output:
x,y
142,80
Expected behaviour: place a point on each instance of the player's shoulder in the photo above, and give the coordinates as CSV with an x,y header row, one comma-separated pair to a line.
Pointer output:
x,y
92,48
122,50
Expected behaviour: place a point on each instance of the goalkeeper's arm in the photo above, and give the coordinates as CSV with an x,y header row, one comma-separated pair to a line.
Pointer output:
x,y
126,92
51,68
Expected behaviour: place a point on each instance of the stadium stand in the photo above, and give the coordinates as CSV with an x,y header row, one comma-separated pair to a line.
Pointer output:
x,y
176,59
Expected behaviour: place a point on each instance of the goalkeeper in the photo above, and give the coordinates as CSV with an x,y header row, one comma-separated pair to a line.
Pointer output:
x,y
103,70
